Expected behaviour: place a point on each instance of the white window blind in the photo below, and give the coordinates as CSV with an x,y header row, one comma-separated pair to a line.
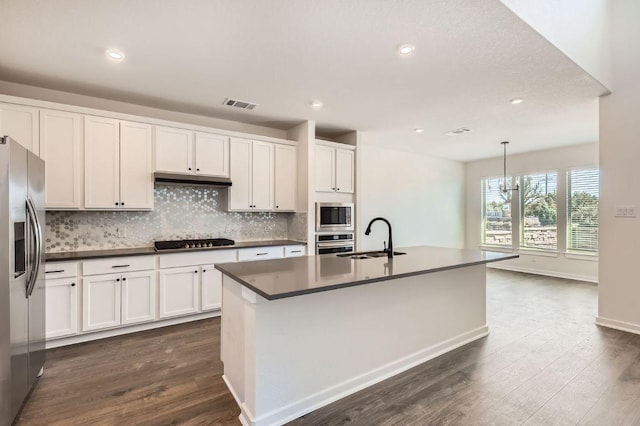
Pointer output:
x,y
584,198
538,198
496,214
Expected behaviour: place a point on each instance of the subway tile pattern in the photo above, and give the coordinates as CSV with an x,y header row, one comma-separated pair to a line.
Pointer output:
x,y
180,212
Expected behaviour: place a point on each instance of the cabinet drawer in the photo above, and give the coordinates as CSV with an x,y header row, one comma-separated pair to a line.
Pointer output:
x,y
177,260
260,253
294,251
118,264
60,270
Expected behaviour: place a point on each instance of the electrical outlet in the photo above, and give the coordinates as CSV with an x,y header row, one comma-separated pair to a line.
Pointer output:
x,y
122,233
227,228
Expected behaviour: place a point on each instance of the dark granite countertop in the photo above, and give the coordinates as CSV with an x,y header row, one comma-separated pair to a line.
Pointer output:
x,y
280,278
145,251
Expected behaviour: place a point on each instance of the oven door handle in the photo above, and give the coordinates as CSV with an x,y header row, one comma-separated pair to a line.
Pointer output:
x,y
333,245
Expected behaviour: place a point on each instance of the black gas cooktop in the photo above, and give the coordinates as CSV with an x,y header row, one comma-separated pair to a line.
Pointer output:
x,y
192,244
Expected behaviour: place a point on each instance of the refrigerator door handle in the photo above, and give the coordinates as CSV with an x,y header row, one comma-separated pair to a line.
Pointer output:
x,y
37,232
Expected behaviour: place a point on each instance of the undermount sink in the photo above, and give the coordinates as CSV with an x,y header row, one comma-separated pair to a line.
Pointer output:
x,y
369,254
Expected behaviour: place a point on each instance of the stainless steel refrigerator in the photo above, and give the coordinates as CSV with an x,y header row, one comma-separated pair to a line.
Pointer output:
x,y
22,297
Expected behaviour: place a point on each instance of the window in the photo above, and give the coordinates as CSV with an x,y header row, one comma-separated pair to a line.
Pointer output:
x,y
582,211
496,207
539,224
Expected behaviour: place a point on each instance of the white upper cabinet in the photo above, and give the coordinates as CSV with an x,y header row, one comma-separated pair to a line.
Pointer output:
x,y
136,166
285,177
345,160
252,175
183,151
174,150
325,168
61,147
102,163
21,124
335,169
118,165
240,190
212,154
262,187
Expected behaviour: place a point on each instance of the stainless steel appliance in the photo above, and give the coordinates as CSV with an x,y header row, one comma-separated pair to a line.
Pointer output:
x,y
192,244
335,243
334,217
22,298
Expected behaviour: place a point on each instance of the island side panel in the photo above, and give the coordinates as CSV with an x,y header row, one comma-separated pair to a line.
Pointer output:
x,y
314,349
232,345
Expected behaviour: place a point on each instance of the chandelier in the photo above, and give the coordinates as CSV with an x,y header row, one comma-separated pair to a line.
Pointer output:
x,y
504,185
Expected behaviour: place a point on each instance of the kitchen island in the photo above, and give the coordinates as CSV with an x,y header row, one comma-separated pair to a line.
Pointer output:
x,y
300,333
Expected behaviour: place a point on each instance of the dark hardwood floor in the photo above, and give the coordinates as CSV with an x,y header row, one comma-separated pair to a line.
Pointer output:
x,y
544,363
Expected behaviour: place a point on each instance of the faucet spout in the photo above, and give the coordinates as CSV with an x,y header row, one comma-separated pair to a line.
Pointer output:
x,y
368,231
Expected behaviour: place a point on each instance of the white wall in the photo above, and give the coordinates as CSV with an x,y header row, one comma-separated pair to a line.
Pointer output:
x,y
619,289
579,28
559,159
21,90
422,197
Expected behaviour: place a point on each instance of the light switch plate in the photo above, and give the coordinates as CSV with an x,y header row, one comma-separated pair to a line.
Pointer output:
x,y
626,211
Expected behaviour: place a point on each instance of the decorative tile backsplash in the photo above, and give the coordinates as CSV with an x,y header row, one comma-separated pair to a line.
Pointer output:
x,y
180,212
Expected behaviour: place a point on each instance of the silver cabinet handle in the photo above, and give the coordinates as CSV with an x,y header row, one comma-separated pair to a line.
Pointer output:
x,y
296,251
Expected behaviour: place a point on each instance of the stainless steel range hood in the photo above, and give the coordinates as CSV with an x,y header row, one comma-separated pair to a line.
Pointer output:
x,y
184,179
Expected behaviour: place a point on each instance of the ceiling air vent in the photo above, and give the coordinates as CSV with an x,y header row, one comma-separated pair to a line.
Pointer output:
x,y
457,132
240,104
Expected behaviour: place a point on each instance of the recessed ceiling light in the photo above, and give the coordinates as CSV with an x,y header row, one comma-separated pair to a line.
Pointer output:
x,y
316,104
418,130
114,55
516,101
406,49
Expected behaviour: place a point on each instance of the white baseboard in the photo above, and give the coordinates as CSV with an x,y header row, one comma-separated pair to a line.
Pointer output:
x,y
555,274
103,334
618,325
320,399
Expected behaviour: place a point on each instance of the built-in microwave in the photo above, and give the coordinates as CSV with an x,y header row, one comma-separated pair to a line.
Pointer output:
x,y
334,217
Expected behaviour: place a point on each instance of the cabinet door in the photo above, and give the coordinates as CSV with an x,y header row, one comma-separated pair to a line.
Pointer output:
x,y
179,291
285,177
61,149
240,190
174,150
61,307
20,123
211,288
325,168
212,154
138,297
262,180
345,181
136,166
101,301
101,163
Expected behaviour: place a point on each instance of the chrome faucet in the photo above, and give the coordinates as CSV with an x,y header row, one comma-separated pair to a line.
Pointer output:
x,y
389,250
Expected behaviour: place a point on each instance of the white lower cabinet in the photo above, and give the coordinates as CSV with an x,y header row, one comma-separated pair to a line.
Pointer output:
x,y
101,302
179,291
138,297
118,299
61,307
211,288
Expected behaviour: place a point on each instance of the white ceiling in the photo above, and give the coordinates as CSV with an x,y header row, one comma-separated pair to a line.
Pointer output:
x,y
471,57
